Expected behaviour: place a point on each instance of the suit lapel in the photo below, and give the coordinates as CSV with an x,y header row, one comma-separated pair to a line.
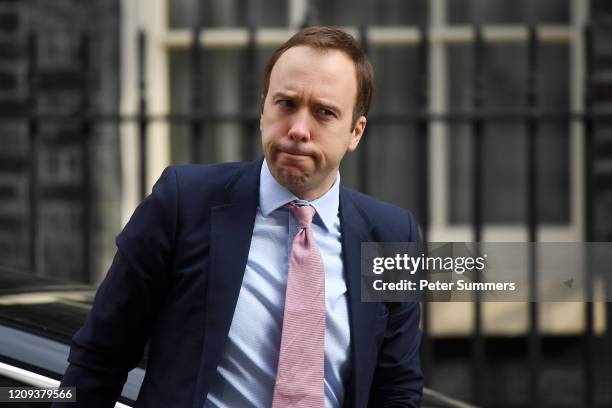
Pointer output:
x,y
356,229
231,229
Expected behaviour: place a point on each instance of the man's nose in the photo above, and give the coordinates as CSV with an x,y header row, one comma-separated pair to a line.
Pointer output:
x,y
300,130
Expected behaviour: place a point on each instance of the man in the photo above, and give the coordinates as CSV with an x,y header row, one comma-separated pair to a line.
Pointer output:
x,y
246,276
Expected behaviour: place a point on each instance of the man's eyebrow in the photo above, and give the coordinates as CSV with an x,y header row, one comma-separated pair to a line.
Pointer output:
x,y
284,94
323,103
328,105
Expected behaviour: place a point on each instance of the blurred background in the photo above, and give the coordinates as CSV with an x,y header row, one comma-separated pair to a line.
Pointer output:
x,y
490,121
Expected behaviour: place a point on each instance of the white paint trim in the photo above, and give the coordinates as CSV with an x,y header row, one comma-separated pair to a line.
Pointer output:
x,y
577,91
158,98
151,17
393,35
297,12
128,102
227,37
502,233
438,160
180,38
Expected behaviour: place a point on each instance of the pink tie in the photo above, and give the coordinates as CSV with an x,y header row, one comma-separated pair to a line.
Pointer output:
x,y
299,379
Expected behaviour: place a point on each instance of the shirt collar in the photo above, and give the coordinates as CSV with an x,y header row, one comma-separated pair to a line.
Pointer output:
x,y
272,195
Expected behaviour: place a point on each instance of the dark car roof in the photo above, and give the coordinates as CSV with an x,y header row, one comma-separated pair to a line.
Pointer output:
x,y
38,317
52,308
13,281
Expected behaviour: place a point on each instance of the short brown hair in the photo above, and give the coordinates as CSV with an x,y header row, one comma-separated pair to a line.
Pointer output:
x,y
326,38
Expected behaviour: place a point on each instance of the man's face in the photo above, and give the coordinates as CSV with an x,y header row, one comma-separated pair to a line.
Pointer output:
x,y
306,122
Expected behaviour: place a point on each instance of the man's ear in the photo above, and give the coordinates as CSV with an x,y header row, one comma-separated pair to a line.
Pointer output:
x,y
356,134
262,100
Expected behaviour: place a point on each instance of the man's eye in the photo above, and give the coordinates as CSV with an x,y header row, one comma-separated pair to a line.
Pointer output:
x,y
285,103
327,113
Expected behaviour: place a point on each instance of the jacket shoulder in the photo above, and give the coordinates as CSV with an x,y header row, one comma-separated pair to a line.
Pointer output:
x,y
193,177
376,206
194,188
389,221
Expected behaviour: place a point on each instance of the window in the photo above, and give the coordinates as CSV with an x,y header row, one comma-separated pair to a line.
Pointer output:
x,y
505,143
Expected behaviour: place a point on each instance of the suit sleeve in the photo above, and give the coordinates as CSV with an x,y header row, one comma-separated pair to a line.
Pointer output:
x,y
112,339
398,379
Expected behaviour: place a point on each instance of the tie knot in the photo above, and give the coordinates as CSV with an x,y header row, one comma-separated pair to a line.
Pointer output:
x,y
302,213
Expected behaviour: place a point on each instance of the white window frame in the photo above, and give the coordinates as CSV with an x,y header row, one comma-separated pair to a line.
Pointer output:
x,y
151,17
442,35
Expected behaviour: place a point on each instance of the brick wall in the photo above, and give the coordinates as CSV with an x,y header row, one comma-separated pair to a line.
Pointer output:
x,y
13,139
60,163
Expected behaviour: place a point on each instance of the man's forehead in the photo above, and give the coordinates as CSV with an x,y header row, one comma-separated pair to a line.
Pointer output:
x,y
329,70
327,56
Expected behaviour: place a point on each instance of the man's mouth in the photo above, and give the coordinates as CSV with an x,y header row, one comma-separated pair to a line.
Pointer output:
x,y
294,152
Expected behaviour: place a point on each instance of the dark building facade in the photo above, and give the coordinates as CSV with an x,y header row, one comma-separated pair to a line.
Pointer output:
x,y
60,180
49,68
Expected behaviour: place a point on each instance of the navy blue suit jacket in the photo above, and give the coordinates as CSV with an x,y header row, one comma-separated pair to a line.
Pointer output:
x,y
175,280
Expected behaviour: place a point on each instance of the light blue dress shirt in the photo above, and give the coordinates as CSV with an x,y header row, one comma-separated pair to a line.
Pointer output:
x,y
247,372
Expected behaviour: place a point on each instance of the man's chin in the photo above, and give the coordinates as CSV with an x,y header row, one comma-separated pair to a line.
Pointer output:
x,y
292,179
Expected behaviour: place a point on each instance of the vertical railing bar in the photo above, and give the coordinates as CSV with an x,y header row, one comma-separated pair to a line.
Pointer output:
x,y
423,124
250,124
86,128
143,119
311,15
34,148
243,12
588,363
478,345
534,349
363,180
195,66
422,103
